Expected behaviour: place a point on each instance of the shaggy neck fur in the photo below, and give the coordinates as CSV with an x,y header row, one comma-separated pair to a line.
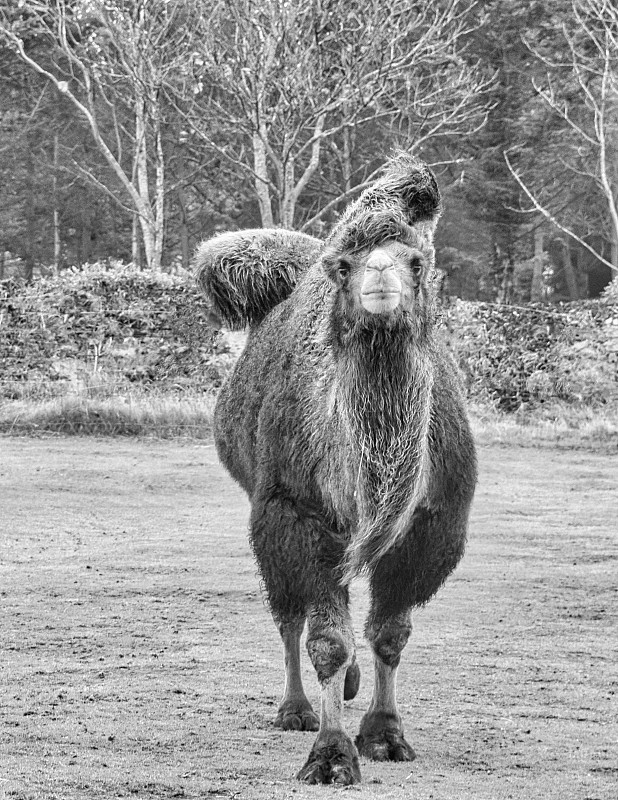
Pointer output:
x,y
384,392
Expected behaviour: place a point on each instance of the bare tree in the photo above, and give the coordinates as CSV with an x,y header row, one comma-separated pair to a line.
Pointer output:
x,y
112,60
287,77
587,104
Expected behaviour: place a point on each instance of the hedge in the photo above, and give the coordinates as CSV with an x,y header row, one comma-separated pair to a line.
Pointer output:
x,y
530,355
116,327
117,323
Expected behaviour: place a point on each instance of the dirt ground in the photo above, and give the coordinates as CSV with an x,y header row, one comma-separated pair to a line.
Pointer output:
x,y
138,660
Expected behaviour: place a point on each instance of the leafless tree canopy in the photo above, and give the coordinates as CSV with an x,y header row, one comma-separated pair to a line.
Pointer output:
x,y
586,100
173,119
295,77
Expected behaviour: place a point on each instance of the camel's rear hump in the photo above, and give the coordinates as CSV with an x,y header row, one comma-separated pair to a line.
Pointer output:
x,y
245,274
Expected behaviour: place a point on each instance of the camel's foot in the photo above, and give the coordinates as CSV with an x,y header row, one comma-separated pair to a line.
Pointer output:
x,y
297,715
381,738
352,681
333,759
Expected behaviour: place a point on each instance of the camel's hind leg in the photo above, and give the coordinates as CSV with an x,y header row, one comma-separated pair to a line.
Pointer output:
x,y
295,711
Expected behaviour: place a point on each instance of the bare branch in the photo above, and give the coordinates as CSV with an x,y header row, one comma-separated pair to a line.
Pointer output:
x,y
552,218
590,112
335,70
340,198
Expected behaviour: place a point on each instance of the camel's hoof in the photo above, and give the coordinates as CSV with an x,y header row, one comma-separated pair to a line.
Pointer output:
x,y
352,681
297,717
333,759
381,739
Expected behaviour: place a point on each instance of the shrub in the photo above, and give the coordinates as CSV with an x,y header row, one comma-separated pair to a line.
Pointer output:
x,y
514,356
101,325
106,332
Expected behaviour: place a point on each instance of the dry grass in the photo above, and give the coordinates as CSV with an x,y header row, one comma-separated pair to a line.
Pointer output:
x,y
145,414
558,425
98,411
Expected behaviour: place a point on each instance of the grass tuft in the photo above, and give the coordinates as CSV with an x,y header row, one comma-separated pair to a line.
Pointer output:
x,y
555,425
161,415
166,415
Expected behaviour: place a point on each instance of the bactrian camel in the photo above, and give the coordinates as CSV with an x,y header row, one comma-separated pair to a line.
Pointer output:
x,y
343,421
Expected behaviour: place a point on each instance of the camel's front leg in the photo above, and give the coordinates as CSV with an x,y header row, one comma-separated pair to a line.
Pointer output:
x,y
295,711
381,732
333,758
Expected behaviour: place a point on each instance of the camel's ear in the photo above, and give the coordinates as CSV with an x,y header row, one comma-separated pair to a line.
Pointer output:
x,y
245,274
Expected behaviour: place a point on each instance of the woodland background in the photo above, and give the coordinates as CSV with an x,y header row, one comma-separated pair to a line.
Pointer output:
x,y
131,130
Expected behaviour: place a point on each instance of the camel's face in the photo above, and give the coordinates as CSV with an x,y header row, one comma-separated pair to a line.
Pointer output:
x,y
382,279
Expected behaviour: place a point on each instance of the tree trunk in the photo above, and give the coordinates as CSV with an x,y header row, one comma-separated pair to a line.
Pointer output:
x,y
293,187
347,160
184,229
85,239
148,237
348,149
30,218
183,233
508,270
136,251
159,219
569,273
149,224
288,200
536,289
609,165
262,191
56,212
505,289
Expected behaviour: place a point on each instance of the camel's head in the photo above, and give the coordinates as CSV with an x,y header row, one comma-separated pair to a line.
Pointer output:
x,y
381,255
388,279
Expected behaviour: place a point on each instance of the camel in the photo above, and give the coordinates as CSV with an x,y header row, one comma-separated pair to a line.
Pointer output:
x,y
343,421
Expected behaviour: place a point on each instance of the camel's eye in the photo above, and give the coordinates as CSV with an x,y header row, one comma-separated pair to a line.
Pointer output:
x,y
416,265
343,270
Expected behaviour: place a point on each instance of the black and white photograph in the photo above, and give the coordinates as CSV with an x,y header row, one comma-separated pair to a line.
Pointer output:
x,y
308,399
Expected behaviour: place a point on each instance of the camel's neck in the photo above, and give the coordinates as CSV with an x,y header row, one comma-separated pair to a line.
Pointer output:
x,y
385,390
385,384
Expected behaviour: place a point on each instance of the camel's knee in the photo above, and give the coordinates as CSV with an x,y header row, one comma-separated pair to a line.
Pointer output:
x,y
329,652
388,639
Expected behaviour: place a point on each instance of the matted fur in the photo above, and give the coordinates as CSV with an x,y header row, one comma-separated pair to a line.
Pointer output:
x,y
392,456
245,274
